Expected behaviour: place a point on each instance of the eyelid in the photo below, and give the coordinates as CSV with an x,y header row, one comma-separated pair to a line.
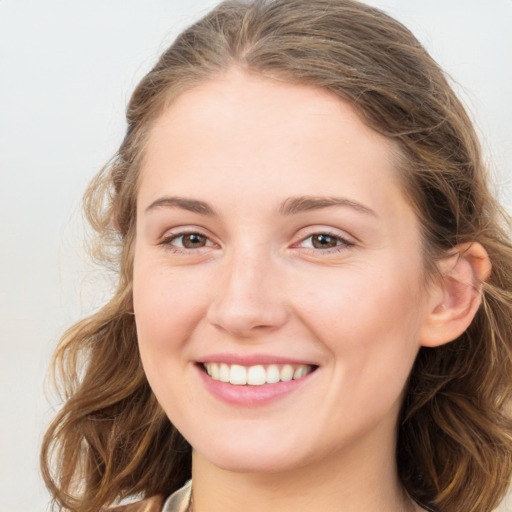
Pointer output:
x,y
175,233
346,241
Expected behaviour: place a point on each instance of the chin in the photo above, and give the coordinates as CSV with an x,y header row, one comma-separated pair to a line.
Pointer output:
x,y
259,465
254,458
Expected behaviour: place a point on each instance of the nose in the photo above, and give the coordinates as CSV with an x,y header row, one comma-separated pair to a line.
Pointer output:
x,y
248,297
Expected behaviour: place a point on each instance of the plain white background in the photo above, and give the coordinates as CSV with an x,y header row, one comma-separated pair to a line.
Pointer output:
x,y
66,72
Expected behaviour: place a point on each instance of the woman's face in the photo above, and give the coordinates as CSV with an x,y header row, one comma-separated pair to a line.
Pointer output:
x,y
274,243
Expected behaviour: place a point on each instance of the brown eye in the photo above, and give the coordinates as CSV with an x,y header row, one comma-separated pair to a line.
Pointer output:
x,y
324,241
192,240
187,242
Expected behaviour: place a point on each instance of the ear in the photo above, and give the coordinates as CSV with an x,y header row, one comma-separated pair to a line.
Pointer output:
x,y
456,295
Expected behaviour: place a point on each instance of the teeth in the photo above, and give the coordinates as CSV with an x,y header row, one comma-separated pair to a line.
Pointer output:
x,y
214,371
287,372
223,372
273,374
256,375
237,375
299,372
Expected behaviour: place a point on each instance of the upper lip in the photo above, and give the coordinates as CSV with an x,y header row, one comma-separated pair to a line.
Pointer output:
x,y
252,359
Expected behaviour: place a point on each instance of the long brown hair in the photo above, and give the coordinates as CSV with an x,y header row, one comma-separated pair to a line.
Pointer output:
x,y
111,439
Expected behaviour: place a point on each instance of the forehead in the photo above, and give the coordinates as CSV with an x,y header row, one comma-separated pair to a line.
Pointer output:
x,y
264,103
247,130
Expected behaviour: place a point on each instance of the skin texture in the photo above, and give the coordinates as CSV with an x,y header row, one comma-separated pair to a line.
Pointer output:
x,y
256,285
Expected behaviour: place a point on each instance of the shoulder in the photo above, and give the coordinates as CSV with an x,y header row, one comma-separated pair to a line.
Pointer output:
x,y
153,504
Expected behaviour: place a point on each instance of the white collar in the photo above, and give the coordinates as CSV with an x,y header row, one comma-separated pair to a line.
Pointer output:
x,y
178,501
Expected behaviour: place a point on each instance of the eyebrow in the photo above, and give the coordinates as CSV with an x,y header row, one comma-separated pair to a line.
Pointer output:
x,y
192,205
294,205
291,206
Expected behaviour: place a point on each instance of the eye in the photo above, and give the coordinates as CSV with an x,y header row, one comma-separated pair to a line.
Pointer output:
x,y
187,241
324,241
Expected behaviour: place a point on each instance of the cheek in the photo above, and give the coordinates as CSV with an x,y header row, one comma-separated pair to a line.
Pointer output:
x,y
358,299
371,328
369,320
167,310
168,304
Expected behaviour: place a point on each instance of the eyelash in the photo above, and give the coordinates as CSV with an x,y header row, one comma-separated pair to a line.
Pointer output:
x,y
167,241
341,242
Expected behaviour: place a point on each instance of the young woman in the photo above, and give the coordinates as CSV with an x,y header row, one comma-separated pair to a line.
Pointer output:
x,y
314,301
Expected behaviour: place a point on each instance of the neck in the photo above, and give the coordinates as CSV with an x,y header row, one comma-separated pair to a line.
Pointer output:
x,y
348,482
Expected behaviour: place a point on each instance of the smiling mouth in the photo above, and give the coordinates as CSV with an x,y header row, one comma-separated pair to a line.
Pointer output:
x,y
256,375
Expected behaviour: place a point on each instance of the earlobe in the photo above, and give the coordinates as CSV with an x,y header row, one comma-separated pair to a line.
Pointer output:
x,y
457,294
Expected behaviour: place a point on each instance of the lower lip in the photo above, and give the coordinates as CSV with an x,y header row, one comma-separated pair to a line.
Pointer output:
x,y
250,395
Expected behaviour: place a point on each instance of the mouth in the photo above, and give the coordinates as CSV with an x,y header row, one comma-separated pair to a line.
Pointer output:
x,y
256,375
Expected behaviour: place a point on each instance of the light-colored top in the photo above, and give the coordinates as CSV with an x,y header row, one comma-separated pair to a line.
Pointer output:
x,y
179,501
